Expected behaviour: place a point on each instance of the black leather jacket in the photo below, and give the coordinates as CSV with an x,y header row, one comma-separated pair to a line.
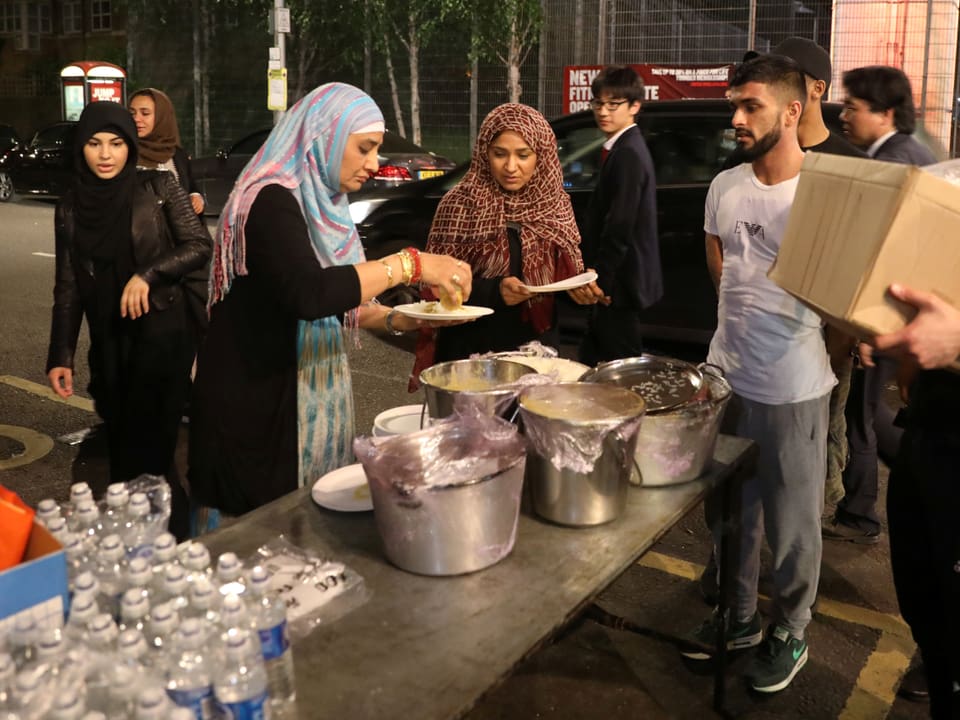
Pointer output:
x,y
171,251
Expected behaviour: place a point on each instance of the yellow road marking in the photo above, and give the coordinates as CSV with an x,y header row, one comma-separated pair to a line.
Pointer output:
x,y
47,393
875,690
35,445
876,686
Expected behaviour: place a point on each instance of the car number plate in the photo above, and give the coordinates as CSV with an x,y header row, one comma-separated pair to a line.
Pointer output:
x,y
424,174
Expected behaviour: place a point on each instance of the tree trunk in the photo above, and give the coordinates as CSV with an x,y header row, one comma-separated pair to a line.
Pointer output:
x,y
132,27
414,57
513,65
197,75
394,92
205,75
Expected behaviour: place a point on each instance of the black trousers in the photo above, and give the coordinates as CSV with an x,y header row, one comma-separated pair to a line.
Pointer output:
x,y
870,434
613,333
923,510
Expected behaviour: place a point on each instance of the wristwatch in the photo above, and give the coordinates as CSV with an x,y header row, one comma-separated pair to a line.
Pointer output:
x,y
388,324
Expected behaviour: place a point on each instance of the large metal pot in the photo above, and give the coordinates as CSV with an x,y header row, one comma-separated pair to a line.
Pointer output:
x,y
478,382
458,520
676,442
582,439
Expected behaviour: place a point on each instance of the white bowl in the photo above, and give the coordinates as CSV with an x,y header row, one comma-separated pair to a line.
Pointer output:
x,y
564,369
397,421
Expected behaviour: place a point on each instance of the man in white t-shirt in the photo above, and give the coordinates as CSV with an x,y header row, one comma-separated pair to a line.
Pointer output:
x,y
772,350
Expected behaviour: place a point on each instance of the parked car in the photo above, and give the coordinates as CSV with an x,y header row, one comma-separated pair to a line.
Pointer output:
x,y
44,166
401,161
689,140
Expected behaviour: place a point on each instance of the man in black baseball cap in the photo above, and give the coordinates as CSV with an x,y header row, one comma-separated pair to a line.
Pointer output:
x,y
812,59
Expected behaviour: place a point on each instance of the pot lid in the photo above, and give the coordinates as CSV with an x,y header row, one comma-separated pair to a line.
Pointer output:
x,y
665,383
582,403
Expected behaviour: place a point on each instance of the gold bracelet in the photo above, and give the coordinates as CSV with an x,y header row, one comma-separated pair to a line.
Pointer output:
x,y
386,264
406,263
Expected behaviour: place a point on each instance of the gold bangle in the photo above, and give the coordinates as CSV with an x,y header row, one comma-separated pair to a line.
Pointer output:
x,y
389,272
406,263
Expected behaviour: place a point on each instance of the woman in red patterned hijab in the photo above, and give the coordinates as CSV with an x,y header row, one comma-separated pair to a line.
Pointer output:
x,y
511,219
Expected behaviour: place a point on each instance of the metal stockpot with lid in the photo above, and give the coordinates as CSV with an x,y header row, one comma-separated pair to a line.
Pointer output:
x,y
582,440
685,408
479,383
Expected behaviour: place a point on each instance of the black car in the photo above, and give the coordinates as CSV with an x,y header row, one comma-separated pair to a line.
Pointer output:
x,y
689,140
400,161
44,166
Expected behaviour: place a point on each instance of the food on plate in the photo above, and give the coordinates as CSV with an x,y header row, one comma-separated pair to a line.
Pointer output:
x,y
451,302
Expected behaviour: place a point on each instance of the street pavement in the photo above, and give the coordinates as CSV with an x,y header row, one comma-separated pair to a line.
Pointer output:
x,y
859,647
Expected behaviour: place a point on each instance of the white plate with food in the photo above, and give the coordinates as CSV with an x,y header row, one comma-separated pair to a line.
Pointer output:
x,y
571,283
344,489
433,310
564,369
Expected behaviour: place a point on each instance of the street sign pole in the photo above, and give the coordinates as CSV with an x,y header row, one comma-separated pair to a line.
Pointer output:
x,y
277,61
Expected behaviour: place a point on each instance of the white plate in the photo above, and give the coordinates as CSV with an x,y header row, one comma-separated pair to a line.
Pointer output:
x,y
343,489
566,370
570,283
432,310
398,420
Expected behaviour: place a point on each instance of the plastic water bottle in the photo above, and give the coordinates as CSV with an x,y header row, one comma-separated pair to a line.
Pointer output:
x,y
134,610
196,561
51,645
204,602
85,520
31,692
47,509
230,574
234,614
123,685
270,616
140,576
189,680
175,587
83,609
164,553
111,572
163,623
153,704
103,634
22,639
138,532
78,559
57,526
114,513
79,492
132,646
241,684
8,672
68,704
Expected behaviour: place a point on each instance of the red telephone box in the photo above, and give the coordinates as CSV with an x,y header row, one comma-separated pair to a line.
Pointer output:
x,y
89,81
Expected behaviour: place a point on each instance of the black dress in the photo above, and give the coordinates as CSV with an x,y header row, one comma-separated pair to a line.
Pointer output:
x,y
505,330
243,423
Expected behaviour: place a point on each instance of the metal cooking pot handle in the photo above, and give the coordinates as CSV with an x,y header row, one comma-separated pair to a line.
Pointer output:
x,y
712,369
423,412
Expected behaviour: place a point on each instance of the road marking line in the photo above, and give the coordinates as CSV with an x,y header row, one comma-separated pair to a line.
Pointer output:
x,y
853,614
35,445
876,687
43,254
47,392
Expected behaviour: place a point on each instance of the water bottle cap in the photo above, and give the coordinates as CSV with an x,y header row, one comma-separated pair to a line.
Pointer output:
x,y
162,613
67,699
80,492
50,644
24,625
56,525
228,566
73,544
164,547
47,508
83,606
111,547
131,643
134,604
85,582
238,643
198,557
29,679
174,573
202,593
139,505
7,668
151,699
139,572
102,627
190,633
87,510
259,576
117,495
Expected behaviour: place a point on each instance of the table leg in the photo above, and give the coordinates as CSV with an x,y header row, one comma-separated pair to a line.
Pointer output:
x,y
729,505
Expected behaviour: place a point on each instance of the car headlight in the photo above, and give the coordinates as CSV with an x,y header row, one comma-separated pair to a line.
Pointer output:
x,y
360,209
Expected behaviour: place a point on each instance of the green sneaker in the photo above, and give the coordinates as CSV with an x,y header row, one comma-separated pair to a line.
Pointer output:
x,y
777,662
740,635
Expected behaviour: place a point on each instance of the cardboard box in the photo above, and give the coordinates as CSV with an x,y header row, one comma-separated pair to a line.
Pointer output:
x,y
858,225
38,585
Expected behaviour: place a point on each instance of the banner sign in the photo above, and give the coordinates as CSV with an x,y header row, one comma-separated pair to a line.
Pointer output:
x,y
661,82
105,90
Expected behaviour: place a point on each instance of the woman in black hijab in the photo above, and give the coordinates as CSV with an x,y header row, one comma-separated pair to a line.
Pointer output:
x,y
132,257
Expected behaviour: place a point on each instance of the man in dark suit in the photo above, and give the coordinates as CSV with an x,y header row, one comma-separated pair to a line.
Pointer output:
x,y
620,238
879,116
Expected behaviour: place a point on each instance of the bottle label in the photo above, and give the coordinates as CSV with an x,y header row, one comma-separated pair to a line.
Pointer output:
x,y
199,700
255,708
274,641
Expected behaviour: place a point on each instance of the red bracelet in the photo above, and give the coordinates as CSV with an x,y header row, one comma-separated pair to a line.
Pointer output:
x,y
417,265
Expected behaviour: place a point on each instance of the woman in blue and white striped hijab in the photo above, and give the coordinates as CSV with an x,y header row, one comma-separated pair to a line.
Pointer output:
x,y
273,403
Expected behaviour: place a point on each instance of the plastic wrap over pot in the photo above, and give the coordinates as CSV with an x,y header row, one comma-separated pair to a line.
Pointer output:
x,y
446,499
486,385
573,424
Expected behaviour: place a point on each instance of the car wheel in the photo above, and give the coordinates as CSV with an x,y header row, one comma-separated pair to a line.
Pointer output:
x,y
6,187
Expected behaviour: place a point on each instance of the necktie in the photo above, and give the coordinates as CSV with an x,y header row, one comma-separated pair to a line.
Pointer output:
x,y
603,155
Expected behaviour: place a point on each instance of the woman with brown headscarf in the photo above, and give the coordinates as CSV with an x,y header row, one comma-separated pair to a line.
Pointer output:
x,y
511,219
158,140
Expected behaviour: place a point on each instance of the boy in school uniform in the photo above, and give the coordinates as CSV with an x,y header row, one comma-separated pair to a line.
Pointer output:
x,y
620,236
